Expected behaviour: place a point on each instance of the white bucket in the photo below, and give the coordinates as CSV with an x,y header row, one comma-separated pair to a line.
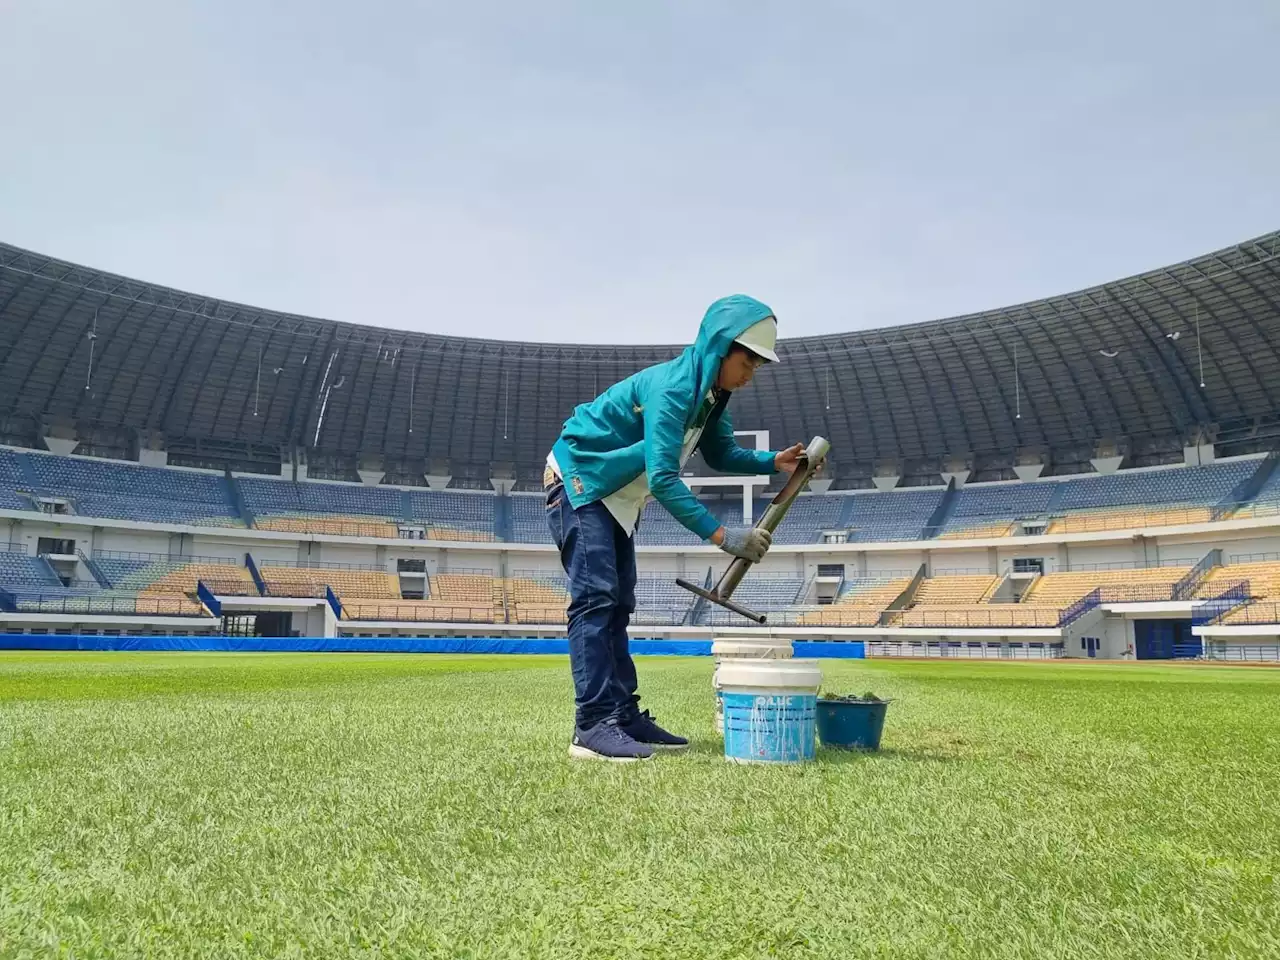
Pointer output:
x,y
742,648
770,710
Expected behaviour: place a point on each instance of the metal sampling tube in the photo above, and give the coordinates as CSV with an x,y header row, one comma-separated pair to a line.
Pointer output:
x,y
810,461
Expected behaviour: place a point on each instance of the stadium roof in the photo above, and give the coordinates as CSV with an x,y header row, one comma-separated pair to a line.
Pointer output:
x,y
1147,362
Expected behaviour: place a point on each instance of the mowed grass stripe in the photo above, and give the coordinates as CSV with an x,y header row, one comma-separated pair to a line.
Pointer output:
x,y
183,805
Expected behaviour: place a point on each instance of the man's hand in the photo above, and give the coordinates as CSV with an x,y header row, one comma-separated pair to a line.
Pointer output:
x,y
747,543
787,460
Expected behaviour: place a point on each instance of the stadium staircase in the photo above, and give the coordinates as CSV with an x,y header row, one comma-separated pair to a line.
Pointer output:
x,y
256,574
697,614
503,528
95,571
1186,588
903,600
236,496
28,472
1248,488
942,512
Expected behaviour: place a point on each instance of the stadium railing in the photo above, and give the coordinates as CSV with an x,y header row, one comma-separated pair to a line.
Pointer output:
x,y
1215,608
418,611
975,650
162,557
1259,613
1011,615
321,565
97,605
1219,650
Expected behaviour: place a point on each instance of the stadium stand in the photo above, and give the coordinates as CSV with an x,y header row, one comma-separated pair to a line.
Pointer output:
x,y
1124,585
453,597
300,581
808,517
537,598
920,391
1173,495
860,603
117,490
900,515
529,519
659,600
18,568
955,589
762,592
978,615
659,529
470,516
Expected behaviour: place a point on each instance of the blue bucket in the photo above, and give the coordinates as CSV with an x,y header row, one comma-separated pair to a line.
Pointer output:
x,y
850,725
770,710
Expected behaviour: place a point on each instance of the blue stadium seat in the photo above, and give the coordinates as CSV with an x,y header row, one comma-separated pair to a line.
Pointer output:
x,y
529,518
127,492
895,515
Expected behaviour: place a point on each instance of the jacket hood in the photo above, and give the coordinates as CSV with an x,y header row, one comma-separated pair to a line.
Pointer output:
x,y
724,321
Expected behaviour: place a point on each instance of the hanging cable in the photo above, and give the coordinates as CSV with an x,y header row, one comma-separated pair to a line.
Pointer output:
x,y
506,402
1017,387
257,387
1199,349
92,336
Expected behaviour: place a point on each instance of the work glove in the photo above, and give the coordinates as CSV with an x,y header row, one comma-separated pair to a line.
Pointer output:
x,y
748,543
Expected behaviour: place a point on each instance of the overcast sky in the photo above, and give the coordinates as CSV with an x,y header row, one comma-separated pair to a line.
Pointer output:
x,y
600,171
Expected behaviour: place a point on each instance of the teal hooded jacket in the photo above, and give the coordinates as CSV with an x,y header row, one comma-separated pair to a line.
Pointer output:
x,y
638,425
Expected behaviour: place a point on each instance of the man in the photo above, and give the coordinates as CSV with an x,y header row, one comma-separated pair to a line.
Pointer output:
x,y
616,451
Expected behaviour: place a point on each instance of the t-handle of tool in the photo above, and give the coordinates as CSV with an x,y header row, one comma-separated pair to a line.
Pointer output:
x,y
807,464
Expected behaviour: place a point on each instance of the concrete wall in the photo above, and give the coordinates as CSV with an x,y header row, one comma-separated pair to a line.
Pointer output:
x,y
968,561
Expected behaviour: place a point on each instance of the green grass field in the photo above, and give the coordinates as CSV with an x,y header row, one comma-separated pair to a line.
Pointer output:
x,y
192,805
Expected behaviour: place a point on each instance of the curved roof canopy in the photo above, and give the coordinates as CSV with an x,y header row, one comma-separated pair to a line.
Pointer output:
x,y
1146,363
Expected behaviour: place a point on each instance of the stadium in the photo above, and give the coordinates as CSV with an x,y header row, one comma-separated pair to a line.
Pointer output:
x,y
1091,475
282,633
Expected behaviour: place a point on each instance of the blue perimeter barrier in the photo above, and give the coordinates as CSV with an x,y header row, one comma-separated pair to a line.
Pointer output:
x,y
679,648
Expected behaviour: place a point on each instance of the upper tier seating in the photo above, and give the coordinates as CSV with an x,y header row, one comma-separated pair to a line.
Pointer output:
x,y
177,496
1270,492
808,517
471,512
874,517
529,518
334,526
1190,485
659,529
103,488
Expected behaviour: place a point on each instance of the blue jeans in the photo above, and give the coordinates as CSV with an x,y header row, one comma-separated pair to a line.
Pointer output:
x,y
599,558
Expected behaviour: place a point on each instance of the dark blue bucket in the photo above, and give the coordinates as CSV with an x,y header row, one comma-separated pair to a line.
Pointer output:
x,y
851,724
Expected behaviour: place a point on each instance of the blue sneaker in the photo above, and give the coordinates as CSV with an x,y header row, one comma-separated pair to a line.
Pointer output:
x,y
607,741
642,729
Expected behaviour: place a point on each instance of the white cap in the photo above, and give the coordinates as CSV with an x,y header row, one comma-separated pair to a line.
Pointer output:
x,y
761,338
